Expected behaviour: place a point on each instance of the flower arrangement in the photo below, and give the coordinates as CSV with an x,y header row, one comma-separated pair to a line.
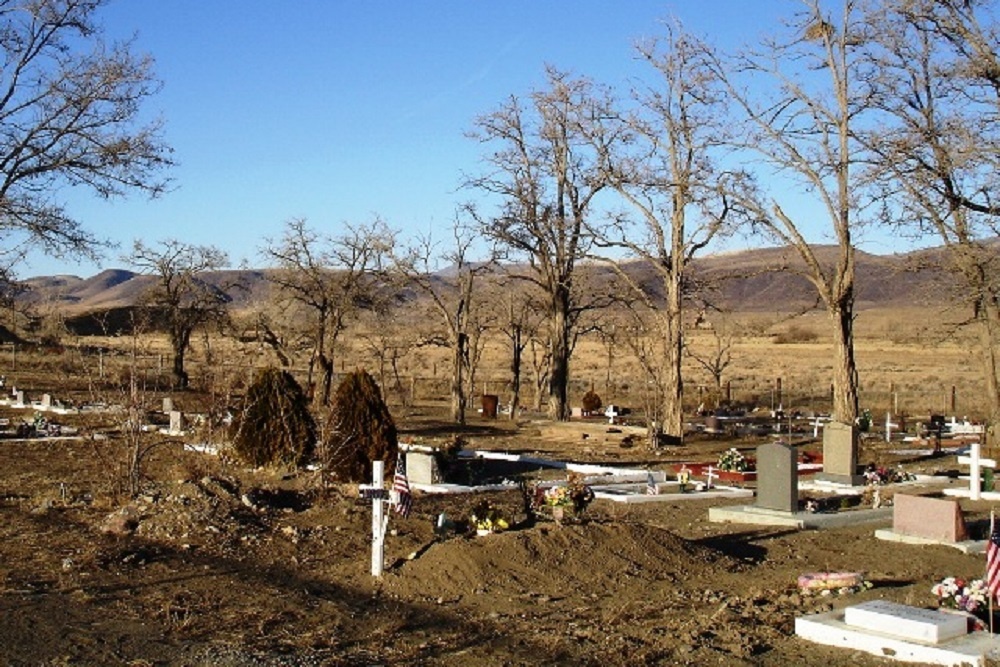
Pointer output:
x,y
961,594
486,518
683,478
575,494
732,460
878,475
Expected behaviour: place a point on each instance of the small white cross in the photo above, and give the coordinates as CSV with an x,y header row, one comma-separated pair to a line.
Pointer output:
x,y
710,475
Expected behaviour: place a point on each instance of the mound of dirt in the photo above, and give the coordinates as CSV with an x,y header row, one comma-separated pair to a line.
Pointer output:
x,y
552,559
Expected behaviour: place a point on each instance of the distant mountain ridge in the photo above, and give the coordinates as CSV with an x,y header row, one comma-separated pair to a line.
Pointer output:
x,y
746,280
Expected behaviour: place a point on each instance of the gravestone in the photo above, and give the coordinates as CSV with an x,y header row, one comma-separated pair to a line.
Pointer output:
x,y
176,421
576,412
840,454
422,468
899,620
168,405
46,401
928,517
977,464
491,404
19,400
777,478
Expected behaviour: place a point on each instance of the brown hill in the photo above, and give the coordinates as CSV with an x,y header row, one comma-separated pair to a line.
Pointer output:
x,y
762,279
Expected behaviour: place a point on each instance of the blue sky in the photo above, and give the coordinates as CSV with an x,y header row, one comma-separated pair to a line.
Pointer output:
x,y
338,111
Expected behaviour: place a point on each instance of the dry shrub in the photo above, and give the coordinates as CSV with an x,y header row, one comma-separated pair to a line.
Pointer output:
x,y
795,334
274,425
591,402
360,429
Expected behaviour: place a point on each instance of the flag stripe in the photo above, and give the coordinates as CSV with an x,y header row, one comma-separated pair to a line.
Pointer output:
x,y
651,488
401,485
993,561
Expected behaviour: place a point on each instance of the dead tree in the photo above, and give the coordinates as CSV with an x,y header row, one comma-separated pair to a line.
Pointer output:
x,y
798,104
546,176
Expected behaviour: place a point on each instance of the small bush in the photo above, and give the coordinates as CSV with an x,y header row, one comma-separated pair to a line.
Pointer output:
x,y
274,425
795,334
360,430
591,402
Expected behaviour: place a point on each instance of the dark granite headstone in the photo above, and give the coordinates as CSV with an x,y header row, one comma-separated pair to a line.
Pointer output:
x,y
777,478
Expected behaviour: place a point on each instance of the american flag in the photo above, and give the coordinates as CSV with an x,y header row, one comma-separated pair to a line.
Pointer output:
x,y
993,561
651,488
401,485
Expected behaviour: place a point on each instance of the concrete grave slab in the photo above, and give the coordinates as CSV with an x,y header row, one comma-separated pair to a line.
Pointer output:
x,y
752,515
974,649
899,620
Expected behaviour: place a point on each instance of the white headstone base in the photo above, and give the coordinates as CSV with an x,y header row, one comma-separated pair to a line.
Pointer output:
x,y
900,620
972,649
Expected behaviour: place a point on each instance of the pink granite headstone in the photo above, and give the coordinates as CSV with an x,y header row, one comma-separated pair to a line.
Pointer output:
x,y
928,517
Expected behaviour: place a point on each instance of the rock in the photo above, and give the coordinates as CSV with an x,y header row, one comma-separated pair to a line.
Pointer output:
x,y
120,524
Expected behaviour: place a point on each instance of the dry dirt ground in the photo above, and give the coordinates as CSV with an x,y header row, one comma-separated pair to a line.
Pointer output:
x,y
229,566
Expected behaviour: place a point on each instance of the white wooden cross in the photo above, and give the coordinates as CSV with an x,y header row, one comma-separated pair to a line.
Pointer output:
x,y
975,467
889,425
710,475
379,497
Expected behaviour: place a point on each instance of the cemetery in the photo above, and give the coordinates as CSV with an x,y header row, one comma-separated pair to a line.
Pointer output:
x,y
517,536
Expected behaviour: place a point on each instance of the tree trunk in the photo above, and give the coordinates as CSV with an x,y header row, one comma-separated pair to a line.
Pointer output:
x,y
989,319
458,396
845,371
673,382
181,378
311,377
515,372
326,366
559,346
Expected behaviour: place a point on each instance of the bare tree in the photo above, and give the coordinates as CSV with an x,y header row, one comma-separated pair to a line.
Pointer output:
x,y
331,278
540,356
937,147
666,172
519,326
717,357
483,319
800,103
180,294
387,338
69,115
452,297
546,176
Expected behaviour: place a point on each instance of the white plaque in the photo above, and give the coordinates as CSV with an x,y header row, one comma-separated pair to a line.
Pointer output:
x,y
899,620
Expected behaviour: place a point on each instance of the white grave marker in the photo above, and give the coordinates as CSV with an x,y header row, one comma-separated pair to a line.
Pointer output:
x,y
176,422
710,475
976,464
899,620
380,519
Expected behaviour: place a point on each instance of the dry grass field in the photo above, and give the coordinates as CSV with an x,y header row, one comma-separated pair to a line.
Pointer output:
x,y
909,361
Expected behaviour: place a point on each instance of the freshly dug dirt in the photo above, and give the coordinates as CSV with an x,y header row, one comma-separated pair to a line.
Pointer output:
x,y
215,564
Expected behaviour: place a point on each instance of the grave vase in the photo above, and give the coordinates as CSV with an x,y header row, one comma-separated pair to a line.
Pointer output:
x,y
558,513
